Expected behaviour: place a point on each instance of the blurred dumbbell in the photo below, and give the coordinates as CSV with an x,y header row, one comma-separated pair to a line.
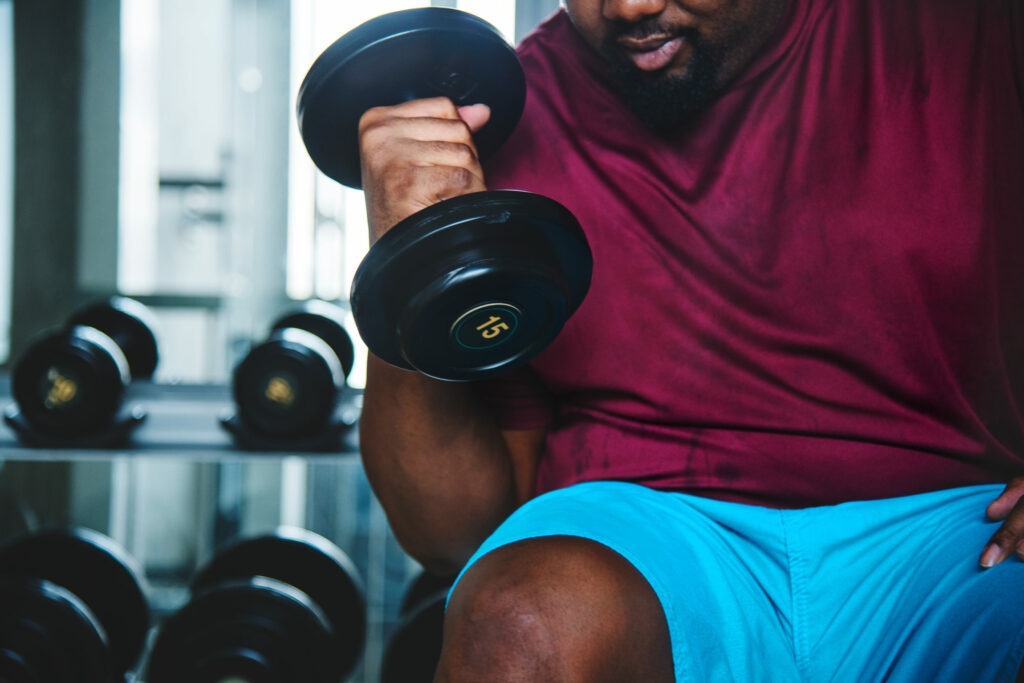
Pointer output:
x,y
278,608
72,609
414,649
288,386
70,383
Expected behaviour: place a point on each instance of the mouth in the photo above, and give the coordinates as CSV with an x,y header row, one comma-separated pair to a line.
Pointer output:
x,y
653,52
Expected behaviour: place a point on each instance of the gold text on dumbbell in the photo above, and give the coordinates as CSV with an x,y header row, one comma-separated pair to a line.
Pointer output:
x,y
62,389
279,390
492,328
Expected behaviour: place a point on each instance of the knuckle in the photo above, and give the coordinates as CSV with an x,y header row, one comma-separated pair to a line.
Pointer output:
x,y
462,178
1004,538
464,154
371,117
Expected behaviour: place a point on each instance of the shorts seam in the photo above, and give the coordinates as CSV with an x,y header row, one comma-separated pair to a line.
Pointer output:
x,y
795,563
680,668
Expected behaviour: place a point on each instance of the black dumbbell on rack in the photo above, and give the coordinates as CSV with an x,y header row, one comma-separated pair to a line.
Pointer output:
x,y
287,388
472,286
70,383
72,609
414,648
279,608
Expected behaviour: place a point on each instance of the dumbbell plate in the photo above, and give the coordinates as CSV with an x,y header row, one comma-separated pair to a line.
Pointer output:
x,y
473,286
401,56
325,321
97,571
256,629
310,563
48,635
69,383
414,649
131,325
288,385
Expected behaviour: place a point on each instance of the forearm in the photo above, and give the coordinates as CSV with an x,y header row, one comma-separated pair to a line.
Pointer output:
x,y
437,462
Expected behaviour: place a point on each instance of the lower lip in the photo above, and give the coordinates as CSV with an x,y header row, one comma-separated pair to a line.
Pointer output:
x,y
659,58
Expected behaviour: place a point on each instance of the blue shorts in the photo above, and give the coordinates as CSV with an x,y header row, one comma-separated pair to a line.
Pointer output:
x,y
864,591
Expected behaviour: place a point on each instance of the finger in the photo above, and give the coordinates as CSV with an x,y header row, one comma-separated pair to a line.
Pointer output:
x,y
432,184
1009,539
405,153
419,128
1000,508
475,116
430,108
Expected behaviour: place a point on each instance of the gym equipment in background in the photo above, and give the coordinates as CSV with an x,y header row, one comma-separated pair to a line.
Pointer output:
x,y
69,385
72,609
414,648
287,388
279,608
472,286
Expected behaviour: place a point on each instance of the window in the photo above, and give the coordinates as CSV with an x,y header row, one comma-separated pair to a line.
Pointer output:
x,y
6,168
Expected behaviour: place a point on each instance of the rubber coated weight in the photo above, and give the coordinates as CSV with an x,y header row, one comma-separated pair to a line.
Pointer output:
x,y
402,56
70,382
473,286
414,649
282,607
97,572
254,629
130,325
47,635
325,321
289,384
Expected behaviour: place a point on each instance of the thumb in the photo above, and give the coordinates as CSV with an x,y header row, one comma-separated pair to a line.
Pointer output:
x,y
475,116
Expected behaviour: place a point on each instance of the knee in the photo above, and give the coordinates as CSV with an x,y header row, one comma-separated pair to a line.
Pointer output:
x,y
554,609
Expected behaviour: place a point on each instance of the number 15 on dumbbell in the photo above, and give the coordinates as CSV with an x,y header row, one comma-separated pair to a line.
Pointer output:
x,y
472,286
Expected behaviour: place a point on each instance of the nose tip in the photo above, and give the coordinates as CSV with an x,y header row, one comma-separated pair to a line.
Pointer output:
x,y
631,10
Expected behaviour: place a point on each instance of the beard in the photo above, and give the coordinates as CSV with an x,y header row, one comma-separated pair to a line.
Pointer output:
x,y
662,102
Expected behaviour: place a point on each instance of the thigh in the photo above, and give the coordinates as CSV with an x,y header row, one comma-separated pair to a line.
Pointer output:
x,y
892,590
716,570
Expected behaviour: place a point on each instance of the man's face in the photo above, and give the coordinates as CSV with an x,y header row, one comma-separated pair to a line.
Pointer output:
x,y
670,58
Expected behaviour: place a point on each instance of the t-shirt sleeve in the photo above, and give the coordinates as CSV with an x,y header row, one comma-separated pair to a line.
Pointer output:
x,y
518,399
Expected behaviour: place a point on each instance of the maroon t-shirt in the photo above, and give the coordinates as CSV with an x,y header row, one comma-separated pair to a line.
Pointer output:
x,y
814,295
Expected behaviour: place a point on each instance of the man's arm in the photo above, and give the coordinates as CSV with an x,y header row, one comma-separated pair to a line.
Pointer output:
x,y
444,472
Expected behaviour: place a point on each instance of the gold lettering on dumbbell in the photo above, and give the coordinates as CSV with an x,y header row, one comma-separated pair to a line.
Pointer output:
x,y
62,389
279,390
492,328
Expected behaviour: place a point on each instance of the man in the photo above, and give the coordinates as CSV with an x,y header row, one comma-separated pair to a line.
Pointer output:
x,y
768,439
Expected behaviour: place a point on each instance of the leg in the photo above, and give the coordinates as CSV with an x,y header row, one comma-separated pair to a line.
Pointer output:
x,y
609,581
892,591
555,609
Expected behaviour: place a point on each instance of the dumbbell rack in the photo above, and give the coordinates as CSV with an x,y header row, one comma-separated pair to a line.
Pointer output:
x,y
180,420
181,428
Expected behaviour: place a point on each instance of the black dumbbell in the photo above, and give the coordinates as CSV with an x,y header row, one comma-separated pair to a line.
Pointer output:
x,y
70,383
414,649
475,285
283,607
72,609
288,386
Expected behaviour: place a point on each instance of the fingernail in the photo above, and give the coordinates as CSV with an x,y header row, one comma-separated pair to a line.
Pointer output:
x,y
991,557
